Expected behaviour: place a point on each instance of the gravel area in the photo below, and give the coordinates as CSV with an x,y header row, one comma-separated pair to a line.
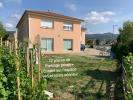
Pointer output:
x,y
90,52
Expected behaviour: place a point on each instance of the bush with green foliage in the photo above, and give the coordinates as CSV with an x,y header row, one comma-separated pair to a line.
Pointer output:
x,y
128,64
124,43
2,30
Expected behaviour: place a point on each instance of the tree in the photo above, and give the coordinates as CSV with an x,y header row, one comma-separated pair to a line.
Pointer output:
x,y
2,30
88,41
124,43
126,33
97,41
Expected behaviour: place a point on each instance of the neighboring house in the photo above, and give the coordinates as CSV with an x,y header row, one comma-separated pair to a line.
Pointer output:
x,y
58,33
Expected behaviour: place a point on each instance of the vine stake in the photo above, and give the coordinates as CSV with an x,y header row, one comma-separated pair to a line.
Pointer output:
x,y
32,72
27,61
18,79
39,63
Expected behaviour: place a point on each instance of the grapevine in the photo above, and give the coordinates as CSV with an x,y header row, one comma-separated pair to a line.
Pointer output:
x,y
8,75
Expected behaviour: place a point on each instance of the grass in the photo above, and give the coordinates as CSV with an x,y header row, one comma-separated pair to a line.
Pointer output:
x,y
90,84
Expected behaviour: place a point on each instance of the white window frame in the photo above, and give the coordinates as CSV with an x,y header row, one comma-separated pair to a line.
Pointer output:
x,y
67,26
71,49
45,49
45,23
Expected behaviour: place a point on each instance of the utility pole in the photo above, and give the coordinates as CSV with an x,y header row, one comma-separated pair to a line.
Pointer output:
x,y
113,30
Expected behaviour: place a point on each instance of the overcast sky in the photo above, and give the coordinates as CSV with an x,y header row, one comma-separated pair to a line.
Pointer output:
x,y
100,15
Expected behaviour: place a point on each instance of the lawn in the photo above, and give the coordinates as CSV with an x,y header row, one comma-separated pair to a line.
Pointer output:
x,y
90,84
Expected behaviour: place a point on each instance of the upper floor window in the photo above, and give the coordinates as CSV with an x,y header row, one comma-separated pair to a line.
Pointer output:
x,y
45,23
68,26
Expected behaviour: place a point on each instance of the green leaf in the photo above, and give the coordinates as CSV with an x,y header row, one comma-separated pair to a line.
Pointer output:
x,y
1,69
3,92
1,85
4,79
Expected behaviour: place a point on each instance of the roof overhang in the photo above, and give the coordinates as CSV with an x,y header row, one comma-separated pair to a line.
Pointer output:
x,y
50,15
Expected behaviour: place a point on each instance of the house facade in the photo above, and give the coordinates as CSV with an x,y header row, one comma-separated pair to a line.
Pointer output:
x,y
58,33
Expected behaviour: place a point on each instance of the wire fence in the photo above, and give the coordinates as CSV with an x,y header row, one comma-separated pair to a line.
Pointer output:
x,y
128,88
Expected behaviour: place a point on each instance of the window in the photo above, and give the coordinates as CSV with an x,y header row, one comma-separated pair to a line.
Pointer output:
x,y
46,23
68,26
68,44
47,44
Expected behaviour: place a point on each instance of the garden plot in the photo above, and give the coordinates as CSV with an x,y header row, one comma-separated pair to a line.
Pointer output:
x,y
90,82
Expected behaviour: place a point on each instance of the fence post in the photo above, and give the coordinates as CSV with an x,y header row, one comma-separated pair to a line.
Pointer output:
x,y
10,46
1,40
28,66
18,79
8,43
38,54
32,72
39,61
18,83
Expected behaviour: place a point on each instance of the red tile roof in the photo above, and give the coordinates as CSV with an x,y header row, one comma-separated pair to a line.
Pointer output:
x,y
51,14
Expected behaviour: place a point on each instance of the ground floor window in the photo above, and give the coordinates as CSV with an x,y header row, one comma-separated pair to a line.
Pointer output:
x,y
68,44
47,44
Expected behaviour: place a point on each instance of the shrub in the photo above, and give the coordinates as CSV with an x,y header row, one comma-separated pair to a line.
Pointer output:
x,y
124,43
128,63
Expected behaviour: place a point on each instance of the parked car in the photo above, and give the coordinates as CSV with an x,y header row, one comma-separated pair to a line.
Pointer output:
x,y
82,47
87,46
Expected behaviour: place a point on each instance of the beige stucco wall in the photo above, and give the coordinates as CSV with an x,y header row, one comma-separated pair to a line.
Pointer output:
x,y
82,38
57,33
